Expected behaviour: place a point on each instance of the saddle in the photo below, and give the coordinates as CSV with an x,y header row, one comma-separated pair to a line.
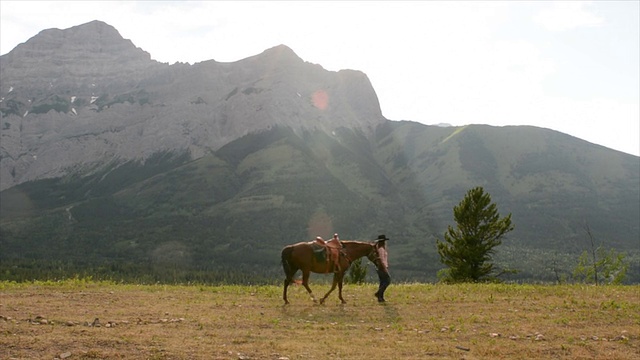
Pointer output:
x,y
329,252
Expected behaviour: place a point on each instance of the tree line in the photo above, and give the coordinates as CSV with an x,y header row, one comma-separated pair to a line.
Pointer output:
x,y
466,250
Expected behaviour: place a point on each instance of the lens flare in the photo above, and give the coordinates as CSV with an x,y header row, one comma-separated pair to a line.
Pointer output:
x,y
320,224
320,99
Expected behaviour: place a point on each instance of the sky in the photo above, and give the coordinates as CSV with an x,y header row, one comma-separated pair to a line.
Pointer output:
x,y
570,66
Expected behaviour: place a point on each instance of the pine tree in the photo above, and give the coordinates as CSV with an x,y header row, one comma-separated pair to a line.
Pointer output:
x,y
357,272
467,249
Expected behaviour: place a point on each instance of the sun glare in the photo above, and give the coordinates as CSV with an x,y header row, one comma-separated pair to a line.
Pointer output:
x,y
320,99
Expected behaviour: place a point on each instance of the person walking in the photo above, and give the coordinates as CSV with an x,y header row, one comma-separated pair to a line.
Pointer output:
x,y
383,269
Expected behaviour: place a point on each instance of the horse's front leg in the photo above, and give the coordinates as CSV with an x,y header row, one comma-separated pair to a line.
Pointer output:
x,y
341,277
305,283
336,276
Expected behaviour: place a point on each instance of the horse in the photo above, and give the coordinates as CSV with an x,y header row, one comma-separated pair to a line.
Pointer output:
x,y
300,256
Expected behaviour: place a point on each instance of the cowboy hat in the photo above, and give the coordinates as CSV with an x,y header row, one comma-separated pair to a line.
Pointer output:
x,y
382,238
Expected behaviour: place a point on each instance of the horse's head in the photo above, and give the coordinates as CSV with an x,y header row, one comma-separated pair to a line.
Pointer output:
x,y
378,255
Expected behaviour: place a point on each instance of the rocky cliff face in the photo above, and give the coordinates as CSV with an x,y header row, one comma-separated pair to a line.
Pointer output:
x,y
83,59
77,99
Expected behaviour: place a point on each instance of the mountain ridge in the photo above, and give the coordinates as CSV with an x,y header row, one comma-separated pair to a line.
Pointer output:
x,y
207,165
121,114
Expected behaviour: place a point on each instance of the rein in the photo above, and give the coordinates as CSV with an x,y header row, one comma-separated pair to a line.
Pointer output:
x,y
376,256
373,251
346,256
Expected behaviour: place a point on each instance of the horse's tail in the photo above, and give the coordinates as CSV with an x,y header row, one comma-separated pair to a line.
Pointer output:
x,y
286,265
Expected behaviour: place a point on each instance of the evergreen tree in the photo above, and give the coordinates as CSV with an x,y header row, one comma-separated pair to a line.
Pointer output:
x,y
357,272
467,249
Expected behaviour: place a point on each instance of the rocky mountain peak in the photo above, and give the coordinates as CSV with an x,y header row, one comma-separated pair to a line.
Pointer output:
x,y
90,36
281,52
93,41
83,97
87,55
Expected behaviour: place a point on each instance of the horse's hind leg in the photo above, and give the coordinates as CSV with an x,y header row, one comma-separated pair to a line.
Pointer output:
x,y
287,281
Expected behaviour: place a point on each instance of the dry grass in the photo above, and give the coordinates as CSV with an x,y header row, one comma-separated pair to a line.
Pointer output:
x,y
250,322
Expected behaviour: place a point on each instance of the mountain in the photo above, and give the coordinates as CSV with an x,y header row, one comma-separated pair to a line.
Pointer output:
x,y
113,162
76,97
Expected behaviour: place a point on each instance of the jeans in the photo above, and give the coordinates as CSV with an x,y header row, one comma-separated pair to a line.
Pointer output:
x,y
385,280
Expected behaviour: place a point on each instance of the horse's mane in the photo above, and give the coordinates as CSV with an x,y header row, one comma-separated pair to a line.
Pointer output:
x,y
347,242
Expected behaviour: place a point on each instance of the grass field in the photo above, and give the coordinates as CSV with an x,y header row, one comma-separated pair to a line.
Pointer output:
x,y
419,321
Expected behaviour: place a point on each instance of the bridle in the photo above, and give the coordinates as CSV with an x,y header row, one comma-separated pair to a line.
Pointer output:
x,y
374,256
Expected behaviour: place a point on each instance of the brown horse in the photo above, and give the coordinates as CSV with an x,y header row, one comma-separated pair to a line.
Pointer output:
x,y
300,256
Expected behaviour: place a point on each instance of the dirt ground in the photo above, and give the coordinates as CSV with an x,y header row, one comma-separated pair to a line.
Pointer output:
x,y
98,321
